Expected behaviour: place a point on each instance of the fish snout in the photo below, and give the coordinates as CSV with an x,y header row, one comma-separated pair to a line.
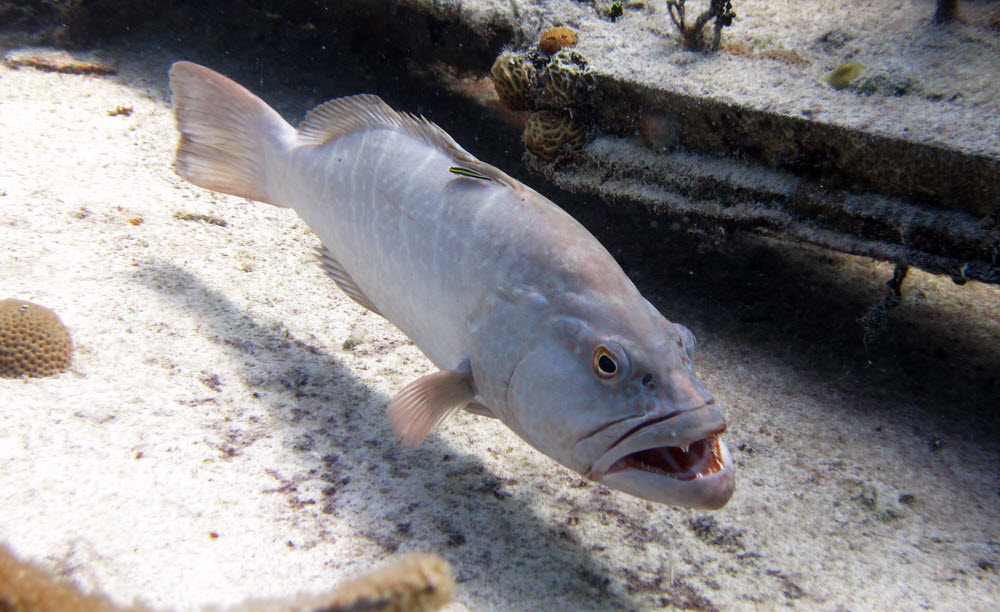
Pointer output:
x,y
685,392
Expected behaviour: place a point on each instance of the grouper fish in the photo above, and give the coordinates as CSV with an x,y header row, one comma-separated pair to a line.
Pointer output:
x,y
529,319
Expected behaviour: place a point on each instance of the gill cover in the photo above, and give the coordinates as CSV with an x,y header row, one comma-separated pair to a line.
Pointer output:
x,y
632,417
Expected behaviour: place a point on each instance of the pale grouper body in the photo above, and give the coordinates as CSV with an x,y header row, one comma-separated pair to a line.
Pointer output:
x,y
528,317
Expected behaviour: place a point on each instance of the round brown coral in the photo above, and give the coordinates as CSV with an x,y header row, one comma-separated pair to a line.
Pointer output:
x,y
33,341
548,133
555,39
513,76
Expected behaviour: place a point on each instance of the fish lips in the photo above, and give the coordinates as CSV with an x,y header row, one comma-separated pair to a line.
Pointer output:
x,y
677,460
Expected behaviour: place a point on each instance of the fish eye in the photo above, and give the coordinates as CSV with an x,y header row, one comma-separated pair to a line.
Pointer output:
x,y
607,364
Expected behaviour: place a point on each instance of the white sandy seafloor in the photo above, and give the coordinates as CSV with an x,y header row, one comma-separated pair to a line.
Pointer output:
x,y
221,433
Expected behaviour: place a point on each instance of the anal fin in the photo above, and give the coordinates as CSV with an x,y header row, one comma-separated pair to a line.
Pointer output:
x,y
429,401
343,279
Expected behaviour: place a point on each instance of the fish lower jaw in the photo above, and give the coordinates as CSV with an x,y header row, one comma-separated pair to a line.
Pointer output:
x,y
701,477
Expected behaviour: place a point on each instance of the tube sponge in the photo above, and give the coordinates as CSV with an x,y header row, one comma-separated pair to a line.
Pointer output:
x,y
25,587
414,583
418,582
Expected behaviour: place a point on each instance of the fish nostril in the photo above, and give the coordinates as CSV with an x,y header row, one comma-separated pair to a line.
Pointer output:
x,y
647,381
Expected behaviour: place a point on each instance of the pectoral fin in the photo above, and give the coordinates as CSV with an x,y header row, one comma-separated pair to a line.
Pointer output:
x,y
340,276
429,401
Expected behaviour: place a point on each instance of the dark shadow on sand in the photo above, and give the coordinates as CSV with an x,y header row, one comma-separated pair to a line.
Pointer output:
x,y
435,498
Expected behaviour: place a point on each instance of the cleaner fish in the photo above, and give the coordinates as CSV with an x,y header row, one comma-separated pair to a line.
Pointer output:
x,y
529,319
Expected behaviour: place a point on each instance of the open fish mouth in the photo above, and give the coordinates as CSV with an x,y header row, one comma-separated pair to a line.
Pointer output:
x,y
677,459
702,458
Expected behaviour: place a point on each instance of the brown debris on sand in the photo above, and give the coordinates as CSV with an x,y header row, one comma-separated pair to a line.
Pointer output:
x,y
52,60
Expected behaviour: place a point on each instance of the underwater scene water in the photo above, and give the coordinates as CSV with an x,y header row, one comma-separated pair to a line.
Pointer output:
x,y
758,367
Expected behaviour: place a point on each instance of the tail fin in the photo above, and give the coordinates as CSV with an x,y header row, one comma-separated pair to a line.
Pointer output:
x,y
229,137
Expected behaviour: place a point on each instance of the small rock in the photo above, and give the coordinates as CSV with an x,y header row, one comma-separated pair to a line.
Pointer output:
x,y
836,39
879,499
885,85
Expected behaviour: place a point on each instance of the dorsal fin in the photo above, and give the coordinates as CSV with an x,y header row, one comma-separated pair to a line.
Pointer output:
x,y
344,116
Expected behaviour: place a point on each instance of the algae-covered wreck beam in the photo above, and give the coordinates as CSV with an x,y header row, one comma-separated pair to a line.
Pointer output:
x,y
837,157
740,194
